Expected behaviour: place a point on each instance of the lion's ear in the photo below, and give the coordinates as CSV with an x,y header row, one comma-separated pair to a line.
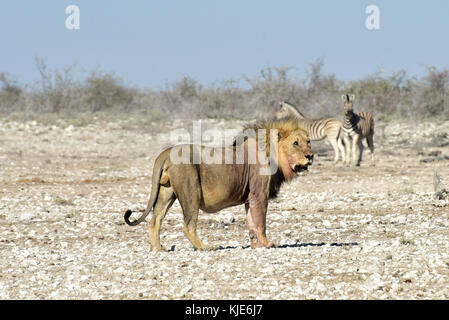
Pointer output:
x,y
344,97
352,97
281,134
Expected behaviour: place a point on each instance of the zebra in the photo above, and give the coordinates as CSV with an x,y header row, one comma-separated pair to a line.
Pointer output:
x,y
319,129
356,127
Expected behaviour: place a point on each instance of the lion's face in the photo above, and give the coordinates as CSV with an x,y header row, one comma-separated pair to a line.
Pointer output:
x,y
295,154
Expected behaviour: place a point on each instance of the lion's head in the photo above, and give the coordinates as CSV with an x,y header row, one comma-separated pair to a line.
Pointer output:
x,y
294,151
295,154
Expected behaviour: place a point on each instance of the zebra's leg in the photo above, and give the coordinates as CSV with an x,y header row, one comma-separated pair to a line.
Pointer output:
x,y
343,142
348,150
361,147
355,149
370,142
334,143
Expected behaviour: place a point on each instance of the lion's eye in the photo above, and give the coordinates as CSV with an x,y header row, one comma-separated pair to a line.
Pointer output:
x,y
308,141
296,143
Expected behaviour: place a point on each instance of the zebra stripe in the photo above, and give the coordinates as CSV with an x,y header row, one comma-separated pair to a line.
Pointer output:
x,y
356,127
359,123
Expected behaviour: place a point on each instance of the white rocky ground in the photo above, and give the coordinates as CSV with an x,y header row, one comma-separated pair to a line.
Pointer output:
x,y
343,233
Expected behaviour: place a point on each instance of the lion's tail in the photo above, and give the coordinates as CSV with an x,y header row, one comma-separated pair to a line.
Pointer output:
x,y
157,172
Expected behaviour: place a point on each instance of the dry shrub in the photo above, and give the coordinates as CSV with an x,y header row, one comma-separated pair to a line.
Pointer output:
x,y
316,94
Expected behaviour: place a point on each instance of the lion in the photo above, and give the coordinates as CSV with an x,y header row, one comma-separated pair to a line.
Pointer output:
x,y
213,187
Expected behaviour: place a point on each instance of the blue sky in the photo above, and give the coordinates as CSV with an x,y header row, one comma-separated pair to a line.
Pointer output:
x,y
150,43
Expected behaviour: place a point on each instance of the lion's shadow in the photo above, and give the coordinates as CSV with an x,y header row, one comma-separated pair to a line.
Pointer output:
x,y
321,244
288,245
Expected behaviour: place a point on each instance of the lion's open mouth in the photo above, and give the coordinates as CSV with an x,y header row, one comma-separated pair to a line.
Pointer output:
x,y
300,168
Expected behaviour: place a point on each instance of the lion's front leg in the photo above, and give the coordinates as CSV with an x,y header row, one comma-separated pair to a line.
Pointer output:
x,y
256,218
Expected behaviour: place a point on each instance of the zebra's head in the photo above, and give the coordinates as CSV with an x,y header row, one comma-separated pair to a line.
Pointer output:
x,y
286,109
348,100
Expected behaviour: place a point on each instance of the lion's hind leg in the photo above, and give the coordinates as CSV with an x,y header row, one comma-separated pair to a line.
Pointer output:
x,y
165,200
190,204
190,225
190,211
187,186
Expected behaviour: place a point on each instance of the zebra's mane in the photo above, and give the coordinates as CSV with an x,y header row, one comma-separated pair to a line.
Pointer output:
x,y
292,109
